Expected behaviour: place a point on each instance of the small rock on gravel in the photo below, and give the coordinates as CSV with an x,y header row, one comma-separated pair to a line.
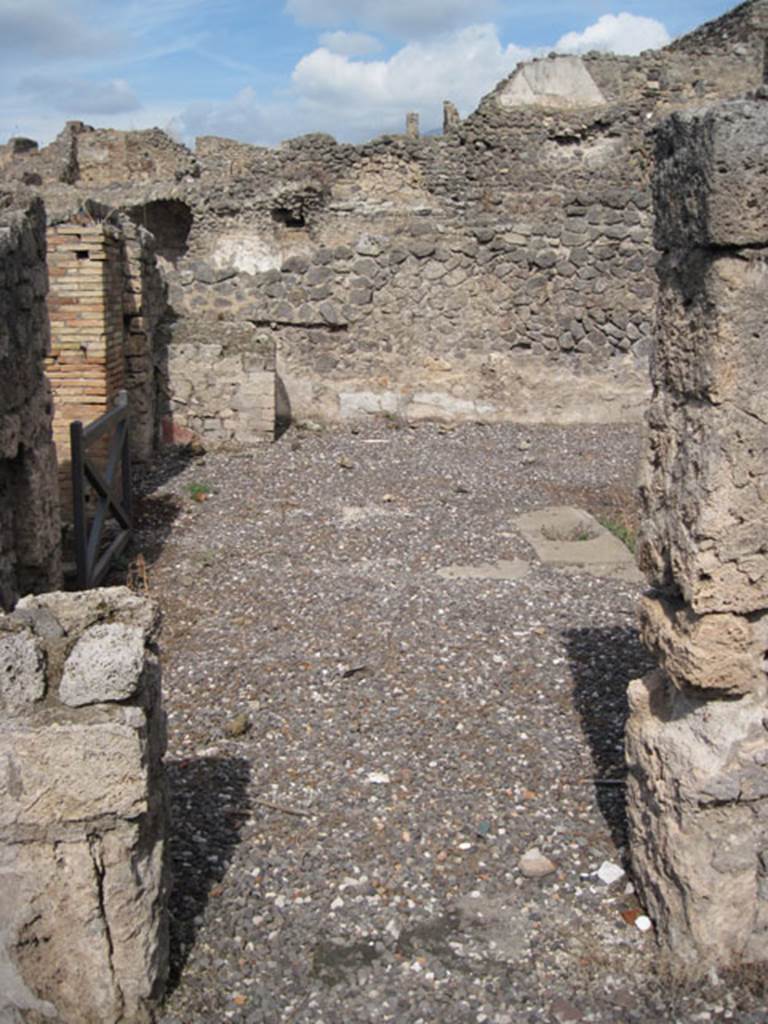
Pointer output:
x,y
533,864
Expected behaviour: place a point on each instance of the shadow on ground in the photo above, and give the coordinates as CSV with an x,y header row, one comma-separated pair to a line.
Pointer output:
x,y
154,515
209,805
603,661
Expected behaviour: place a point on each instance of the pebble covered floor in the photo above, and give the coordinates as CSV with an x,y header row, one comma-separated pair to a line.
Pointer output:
x,y
362,750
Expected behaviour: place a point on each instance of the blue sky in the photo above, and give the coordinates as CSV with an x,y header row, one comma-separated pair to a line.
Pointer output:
x,y
264,71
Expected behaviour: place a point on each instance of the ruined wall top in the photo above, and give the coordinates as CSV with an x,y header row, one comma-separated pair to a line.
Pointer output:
x,y
722,59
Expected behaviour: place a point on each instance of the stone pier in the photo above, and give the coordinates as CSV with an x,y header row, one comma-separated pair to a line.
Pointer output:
x,y
83,811
30,540
697,738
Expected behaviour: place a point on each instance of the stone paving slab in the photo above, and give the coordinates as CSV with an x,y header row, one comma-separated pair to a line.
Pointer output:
x,y
570,538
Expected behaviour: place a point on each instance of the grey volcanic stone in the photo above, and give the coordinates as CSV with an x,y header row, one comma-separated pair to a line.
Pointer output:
x,y
710,180
105,665
22,676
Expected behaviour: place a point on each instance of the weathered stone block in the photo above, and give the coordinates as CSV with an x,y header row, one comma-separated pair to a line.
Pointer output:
x,y
22,676
105,665
703,490
83,815
719,651
712,340
77,612
709,186
698,812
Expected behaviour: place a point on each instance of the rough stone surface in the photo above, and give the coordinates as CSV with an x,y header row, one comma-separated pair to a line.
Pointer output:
x,y
703,485
83,882
697,745
698,806
224,387
503,269
105,664
22,677
30,555
710,187
718,651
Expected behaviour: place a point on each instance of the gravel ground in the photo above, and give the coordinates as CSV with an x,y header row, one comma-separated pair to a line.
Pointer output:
x,y
361,750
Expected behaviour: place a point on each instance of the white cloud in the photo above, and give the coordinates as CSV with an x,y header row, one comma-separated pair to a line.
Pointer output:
x,y
358,99
52,60
245,117
616,33
375,95
350,44
76,97
406,19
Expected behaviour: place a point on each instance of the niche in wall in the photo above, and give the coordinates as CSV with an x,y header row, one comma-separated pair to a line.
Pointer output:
x,y
170,221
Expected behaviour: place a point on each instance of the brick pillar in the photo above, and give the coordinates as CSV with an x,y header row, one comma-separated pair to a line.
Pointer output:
x,y
86,363
697,738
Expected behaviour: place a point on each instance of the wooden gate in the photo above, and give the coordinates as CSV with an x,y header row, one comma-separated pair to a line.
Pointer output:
x,y
111,490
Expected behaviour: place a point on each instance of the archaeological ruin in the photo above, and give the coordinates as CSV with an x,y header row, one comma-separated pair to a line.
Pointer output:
x,y
82,810
528,265
697,745
503,270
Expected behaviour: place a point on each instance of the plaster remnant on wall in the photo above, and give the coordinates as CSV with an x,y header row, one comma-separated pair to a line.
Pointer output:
x,y
552,82
249,253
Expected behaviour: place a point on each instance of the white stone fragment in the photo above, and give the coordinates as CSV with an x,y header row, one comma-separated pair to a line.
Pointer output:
x,y
377,778
643,923
608,872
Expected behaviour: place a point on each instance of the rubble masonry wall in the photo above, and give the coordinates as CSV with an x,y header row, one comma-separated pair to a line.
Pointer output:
x,y
30,557
503,270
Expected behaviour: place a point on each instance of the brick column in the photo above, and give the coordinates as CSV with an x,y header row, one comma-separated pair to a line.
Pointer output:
x,y
86,363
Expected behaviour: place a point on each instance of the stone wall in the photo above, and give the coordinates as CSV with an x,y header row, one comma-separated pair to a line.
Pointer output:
x,y
83,882
222,385
143,308
697,738
30,556
503,270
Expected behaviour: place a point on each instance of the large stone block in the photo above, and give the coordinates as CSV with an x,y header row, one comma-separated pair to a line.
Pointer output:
x,y
63,773
77,612
709,185
712,331
703,490
105,665
720,651
698,812
83,936
83,810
